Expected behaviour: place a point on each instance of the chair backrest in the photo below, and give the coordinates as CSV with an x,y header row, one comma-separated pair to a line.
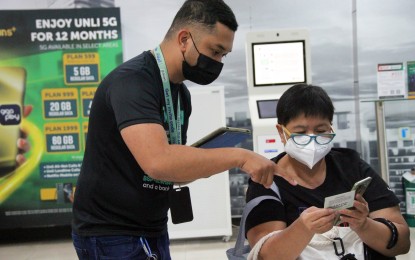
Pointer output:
x,y
240,250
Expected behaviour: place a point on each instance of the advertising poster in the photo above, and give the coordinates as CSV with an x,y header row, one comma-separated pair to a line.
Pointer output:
x,y
391,80
52,62
411,79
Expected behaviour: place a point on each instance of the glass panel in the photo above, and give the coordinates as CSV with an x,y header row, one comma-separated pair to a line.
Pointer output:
x,y
399,119
399,124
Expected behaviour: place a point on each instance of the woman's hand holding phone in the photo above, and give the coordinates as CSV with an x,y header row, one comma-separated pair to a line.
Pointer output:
x,y
356,216
353,214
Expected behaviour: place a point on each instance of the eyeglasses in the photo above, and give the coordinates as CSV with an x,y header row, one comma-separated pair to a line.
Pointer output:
x,y
303,139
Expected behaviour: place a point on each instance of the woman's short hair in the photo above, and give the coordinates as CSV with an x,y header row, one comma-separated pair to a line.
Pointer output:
x,y
304,99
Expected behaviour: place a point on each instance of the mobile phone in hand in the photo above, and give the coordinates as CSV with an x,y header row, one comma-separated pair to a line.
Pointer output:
x,y
359,187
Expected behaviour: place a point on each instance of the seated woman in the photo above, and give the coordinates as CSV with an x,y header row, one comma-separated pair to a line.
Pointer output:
x,y
305,115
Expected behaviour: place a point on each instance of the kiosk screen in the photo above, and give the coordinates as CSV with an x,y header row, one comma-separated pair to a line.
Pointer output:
x,y
279,63
267,108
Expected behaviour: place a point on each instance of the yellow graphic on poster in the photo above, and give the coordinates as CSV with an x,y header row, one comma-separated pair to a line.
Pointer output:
x,y
60,103
81,68
62,137
87,94
85,131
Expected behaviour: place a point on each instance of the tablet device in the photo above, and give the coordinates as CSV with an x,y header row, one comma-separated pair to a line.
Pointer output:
x,y
223,137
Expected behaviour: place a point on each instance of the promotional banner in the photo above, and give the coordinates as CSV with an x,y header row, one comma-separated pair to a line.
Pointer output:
x,y
411,79
391,80
51,62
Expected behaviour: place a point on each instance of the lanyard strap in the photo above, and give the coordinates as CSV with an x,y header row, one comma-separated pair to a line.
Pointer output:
x,y
147,249
175,127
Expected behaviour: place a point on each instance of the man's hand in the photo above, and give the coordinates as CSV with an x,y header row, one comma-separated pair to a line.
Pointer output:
x,y
22,142
262,170
280,172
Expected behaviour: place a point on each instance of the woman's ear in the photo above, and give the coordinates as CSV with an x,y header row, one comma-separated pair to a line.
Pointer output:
x,y
280,133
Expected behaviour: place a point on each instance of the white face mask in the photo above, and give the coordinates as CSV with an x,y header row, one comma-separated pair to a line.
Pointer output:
x,y
309,154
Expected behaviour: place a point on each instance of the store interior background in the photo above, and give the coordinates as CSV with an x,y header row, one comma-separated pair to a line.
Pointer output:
x,y
347,41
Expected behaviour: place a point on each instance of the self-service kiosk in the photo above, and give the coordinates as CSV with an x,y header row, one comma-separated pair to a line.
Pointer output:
x,y
275,61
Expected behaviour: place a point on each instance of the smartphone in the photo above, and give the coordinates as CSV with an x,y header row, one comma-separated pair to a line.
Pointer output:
x,y
60,194
64,192
67,191
12,89
359,188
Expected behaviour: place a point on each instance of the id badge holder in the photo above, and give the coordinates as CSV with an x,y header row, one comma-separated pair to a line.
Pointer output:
x,y
180,205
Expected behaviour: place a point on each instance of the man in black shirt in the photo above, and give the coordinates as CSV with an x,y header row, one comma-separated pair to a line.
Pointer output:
x,y
137,130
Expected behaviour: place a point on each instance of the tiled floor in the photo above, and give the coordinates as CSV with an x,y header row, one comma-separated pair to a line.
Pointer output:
x,y
59,246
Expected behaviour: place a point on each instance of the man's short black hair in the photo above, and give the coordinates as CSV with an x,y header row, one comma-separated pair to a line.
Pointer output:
x,y
205,13
304,99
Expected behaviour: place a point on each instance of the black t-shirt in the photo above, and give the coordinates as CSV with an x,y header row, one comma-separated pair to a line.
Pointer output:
x,y
344,168
113,194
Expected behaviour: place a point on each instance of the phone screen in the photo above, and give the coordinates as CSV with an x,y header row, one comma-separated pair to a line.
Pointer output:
x,y
12,87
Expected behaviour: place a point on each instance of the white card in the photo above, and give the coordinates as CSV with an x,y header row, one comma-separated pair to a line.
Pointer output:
x,y
340,201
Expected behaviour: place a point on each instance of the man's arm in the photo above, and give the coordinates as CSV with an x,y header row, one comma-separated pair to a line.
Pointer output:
x,y
179,163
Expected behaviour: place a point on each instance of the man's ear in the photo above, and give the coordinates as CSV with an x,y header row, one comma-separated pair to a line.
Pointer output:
x,y
182,39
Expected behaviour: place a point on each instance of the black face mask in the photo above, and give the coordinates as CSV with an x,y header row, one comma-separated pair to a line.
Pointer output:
x,y
205,71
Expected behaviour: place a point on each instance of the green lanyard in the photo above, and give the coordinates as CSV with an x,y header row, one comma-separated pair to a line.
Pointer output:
x,y
175,127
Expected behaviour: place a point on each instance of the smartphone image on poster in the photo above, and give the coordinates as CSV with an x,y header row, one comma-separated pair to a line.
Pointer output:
x,y
68,192
12,89
64,192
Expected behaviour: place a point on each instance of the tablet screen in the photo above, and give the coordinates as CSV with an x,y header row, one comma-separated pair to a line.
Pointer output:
x,y
223,137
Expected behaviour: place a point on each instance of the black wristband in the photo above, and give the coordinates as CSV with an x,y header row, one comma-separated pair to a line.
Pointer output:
x,y
394,237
